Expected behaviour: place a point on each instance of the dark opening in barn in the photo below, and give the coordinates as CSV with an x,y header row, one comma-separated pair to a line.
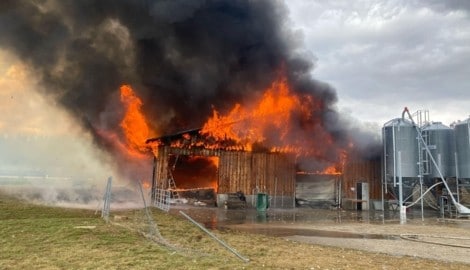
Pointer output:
x,y
191,172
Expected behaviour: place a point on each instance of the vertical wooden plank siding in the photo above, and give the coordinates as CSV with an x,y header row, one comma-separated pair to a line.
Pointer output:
x,y
161,174
362,171
269,172
238,170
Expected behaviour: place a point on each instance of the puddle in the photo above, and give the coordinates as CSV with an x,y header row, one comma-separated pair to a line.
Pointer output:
x,y
288,222
283,232
213,217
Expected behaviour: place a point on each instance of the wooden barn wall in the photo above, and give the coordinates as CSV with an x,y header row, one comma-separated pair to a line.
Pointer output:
x,y
234,170
274,174
368,171
248,172
161,168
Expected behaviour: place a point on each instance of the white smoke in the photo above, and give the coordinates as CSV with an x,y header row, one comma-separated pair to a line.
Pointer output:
x,y
45,156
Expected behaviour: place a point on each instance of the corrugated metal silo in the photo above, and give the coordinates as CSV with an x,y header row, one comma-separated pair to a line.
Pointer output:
x,y
441,143
399,135
462,143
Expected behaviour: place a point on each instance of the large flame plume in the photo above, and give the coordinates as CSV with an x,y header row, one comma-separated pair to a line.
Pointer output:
x,y
248,125
278,121
134,124
127,143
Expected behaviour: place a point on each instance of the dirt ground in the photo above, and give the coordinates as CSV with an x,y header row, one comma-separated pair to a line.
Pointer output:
x,y
439,239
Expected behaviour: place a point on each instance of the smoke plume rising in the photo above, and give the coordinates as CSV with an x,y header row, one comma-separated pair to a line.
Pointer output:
x,y
183,58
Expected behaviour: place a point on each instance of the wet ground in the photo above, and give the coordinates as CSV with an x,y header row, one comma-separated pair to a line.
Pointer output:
x,y
433,237
219,218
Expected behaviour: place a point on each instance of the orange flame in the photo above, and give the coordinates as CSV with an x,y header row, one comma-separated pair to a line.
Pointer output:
x,y
331,170
280,120
133,124
249,125
337,168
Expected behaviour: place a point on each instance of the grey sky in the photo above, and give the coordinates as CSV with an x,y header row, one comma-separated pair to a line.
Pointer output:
x,y
383,55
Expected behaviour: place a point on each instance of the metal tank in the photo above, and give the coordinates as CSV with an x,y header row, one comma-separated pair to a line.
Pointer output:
x,y
400,136
462,145
441,143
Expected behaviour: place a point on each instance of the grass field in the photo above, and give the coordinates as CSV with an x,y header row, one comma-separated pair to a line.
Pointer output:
x,y
42,237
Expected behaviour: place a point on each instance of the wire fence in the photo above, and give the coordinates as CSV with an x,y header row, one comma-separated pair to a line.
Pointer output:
x,y
142,221
162,199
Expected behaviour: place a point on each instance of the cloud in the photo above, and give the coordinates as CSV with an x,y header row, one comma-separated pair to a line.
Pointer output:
x,y
383,54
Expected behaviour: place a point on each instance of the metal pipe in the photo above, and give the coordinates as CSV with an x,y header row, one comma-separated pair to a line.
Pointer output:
x,y
294,195
384,169
154,183
382,194
421,173
428,190
460,208
215,237
422,197
468,133
400,192
405,110
457,175
340,186
394,157
275,191
153,229
107,200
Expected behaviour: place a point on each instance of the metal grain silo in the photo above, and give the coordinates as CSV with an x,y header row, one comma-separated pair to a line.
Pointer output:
x,y
462,145
400,136
441,143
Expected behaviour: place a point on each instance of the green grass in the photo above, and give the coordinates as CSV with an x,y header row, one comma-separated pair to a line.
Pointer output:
x,y
42,237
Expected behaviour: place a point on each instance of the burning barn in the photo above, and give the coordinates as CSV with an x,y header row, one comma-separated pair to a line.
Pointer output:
x,y
276,143
187,162
184,163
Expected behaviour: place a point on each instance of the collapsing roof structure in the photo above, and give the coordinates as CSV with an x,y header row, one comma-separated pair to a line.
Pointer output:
x,y
234,168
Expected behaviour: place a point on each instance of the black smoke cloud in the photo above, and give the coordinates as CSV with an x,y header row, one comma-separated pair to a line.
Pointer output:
x,y
182,57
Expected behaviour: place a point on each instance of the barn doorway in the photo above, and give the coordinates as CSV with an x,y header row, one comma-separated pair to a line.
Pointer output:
x,y
317,190
196,177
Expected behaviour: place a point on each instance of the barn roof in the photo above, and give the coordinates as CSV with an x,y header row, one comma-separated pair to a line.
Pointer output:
x,y
193,138
167,139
